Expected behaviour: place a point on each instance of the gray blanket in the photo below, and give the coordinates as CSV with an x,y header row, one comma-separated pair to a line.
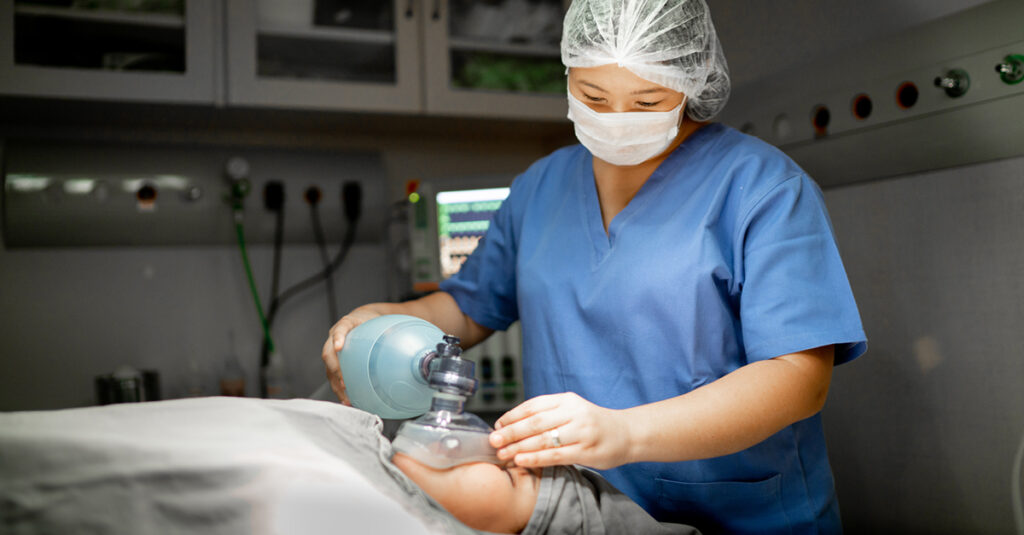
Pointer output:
x,y
238,465
208,465
576,500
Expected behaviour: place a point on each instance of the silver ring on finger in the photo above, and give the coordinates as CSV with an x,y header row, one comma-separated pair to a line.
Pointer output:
x,y
556,441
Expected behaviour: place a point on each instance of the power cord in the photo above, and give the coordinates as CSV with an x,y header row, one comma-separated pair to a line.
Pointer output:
x,y
313,198
352,196
273,200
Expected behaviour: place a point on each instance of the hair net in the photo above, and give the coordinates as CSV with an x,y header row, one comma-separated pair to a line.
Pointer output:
x,y
669,42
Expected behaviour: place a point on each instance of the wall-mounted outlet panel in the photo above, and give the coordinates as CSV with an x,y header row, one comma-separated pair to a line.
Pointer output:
x,y
876,111
68,194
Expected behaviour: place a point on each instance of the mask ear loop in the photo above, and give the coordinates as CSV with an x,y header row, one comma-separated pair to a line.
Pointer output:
x,y
679,121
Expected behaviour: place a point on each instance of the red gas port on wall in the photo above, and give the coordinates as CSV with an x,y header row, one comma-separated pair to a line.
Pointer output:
x,y
145,198
820,119
906,95
862,106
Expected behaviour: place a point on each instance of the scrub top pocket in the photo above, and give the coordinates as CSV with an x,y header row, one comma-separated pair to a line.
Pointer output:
x,y
758,505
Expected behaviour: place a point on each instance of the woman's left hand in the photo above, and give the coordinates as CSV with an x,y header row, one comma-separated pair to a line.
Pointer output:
x,y
562,429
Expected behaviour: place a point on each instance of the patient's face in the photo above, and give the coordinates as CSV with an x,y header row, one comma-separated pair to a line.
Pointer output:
x,y
483,496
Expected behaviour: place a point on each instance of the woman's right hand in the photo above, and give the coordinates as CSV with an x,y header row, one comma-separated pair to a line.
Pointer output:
x,y
335,341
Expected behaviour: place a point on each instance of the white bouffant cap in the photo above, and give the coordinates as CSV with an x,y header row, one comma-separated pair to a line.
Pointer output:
x,y
669,42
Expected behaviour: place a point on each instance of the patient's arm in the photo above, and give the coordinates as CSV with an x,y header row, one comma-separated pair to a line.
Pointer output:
x,y
481,495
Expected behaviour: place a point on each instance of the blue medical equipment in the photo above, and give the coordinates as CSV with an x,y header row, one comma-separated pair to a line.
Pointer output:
x,y
399,366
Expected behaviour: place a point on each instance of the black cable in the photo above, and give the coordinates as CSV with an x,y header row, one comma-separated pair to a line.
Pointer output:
x,y
275,281
274,285
321,242
299,287
273,199
352,206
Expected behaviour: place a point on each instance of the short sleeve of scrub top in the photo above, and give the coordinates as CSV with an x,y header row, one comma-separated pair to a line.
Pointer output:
x,y
485,285
791,273
725,256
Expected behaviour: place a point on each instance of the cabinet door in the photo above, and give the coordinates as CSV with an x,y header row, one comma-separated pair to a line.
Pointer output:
x,y
158,51
494,58
324,54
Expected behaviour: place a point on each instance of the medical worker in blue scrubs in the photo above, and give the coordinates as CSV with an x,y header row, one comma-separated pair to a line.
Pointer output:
x,y
682,299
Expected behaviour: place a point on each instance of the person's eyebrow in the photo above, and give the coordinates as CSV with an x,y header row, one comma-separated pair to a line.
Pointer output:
x,y
637,92
647,91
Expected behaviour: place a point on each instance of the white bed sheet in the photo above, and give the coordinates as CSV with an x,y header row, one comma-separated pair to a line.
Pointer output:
x,y
207,465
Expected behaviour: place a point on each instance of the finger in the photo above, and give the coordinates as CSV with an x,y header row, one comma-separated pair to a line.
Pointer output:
x,y
332,369
330,357
341,330
528,408
534,425
566,435
338,387
331,365
338,334
534,443
571,454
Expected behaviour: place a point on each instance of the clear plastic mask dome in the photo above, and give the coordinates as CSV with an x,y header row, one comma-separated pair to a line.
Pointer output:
x,y
446,436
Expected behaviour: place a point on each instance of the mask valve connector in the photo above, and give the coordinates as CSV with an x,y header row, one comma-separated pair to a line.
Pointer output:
x,y
452,374
447,435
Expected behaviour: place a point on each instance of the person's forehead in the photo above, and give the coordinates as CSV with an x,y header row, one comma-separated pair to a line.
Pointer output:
x,y
612,77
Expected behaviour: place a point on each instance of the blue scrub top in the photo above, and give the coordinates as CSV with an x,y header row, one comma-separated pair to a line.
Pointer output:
x,y
724,257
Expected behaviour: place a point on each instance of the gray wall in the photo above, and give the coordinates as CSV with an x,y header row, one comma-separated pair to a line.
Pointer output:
x,y
763,38
71,314
68,314
922,429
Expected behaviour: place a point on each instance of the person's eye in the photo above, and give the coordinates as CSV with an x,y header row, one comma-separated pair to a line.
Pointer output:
x,y
593,99
648,104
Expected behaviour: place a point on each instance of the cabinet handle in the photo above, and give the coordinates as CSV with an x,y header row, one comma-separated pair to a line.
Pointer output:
x,y
436,15
408,9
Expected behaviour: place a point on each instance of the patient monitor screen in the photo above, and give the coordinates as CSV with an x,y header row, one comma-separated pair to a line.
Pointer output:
x,y
462,219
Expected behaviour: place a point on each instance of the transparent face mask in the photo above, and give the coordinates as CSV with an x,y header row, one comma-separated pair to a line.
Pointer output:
x,y
446,436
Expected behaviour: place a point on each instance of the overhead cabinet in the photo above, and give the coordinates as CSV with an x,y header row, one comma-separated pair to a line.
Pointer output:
x,y
324,55
494,58
436,57
159,51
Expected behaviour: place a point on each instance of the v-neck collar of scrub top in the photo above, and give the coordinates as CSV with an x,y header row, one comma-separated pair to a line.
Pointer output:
x,y
602,242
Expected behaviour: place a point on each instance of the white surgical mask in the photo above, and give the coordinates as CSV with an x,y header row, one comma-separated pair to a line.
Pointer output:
x,y
625,138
